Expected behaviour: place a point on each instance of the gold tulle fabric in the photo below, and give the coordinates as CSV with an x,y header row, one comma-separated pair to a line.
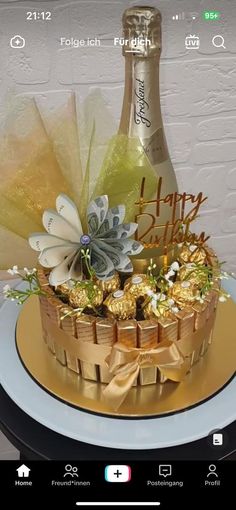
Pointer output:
x,y
123,169
40,158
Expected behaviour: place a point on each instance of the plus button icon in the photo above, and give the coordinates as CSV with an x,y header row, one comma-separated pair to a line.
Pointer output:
x,y
117,473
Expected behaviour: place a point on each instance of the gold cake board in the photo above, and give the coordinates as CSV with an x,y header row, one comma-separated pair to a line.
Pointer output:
x,y
210,374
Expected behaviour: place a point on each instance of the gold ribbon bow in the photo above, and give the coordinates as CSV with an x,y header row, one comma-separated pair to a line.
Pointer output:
x,y
125,363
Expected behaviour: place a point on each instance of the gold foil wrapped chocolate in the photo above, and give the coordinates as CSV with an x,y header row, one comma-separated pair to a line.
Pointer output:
x,y
183,293
86,295
120,305
198,256
152,310
64,289
192,253
184,254
110,285
139,285
193,274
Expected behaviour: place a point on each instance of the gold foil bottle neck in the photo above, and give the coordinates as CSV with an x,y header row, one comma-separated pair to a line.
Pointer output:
x,y
142,31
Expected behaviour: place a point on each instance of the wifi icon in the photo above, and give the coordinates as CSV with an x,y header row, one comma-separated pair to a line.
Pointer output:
x,y
193,16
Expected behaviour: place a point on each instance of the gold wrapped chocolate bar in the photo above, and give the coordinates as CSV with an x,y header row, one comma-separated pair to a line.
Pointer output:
x,y
139,285
120,305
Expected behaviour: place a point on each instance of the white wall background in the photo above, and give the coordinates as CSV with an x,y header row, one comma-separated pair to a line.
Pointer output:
x,y
198,88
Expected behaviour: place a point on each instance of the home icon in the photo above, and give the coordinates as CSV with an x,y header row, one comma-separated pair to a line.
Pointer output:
x,y
23,471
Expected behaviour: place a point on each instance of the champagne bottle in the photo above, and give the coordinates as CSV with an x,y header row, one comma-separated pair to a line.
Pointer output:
x,y
141,118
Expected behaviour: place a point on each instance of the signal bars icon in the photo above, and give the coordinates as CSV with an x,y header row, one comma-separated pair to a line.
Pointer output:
x,y
179,17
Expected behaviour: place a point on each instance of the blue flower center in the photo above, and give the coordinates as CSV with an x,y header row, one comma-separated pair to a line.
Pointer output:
x,y
85,239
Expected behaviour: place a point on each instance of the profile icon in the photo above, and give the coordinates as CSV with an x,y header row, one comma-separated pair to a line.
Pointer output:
x,y
212,471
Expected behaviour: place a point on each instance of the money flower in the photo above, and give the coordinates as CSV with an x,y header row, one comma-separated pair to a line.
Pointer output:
x,y
106,243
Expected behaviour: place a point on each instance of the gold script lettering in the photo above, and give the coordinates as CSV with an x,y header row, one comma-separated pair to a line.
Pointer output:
x,y
174,231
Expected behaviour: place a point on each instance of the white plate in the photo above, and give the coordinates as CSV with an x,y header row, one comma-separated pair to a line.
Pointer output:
x,y
177,429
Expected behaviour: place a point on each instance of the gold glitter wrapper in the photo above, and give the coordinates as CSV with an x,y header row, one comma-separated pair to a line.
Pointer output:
x,y
184,254
183,293
195,276
64,290
198,256
110,285
138,285
120,305
82,297
162,310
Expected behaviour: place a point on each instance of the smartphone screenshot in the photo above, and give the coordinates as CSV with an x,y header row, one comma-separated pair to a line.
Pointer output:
x,y
117,252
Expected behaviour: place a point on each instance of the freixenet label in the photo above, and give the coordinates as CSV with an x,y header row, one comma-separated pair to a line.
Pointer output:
x,y
141,105
145,114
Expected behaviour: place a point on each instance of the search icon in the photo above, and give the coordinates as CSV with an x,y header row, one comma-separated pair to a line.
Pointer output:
x,y
218,41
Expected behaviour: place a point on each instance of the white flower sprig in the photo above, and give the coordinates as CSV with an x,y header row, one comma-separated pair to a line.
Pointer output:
x,y
161,298
27,275
174,268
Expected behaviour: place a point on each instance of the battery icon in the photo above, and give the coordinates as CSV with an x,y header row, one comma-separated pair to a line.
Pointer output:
x,y
211,15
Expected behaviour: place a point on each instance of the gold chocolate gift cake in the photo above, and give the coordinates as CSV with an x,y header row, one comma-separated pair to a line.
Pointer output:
x,y
128,293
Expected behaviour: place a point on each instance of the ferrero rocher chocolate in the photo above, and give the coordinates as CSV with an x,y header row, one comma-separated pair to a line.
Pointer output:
x,y
86,295
110,285
120,305
198,256
183,293
138,285
192,274
162,309
184,254
64,289
191,253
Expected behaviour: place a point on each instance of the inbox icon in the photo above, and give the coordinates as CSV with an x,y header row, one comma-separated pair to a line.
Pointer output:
x,y
165,470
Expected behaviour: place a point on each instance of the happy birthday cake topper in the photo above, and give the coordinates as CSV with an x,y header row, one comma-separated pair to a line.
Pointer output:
x,y
166,235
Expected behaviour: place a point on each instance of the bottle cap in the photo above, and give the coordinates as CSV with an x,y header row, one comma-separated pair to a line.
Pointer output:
x,y
142,31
